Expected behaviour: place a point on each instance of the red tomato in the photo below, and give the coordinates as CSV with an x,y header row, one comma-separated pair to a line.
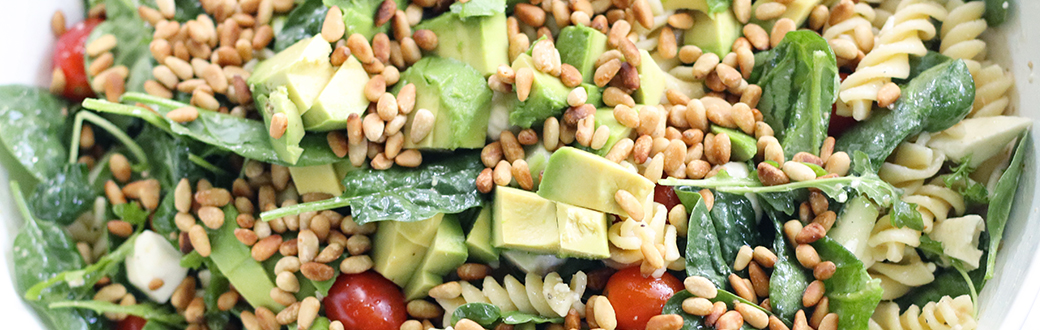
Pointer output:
x,y
839,124
666,195
636,298
68,56
365,301
131,323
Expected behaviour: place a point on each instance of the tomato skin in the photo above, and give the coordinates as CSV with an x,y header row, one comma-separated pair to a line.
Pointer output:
x,y
666,195
636,298
131,323
68,56
365,301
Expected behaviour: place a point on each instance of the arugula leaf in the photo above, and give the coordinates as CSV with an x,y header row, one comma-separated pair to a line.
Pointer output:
x,y
169,157
63,197
1000,206
703,250
149,311
303,22
478,8
974,193
132,213
32,123
853,295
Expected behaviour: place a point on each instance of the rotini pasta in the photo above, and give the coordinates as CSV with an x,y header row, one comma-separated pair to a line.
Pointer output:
x,y
887,242
947,313
898,278
934,202
911,165
628,237
901,37
960,32
856,29
549,297
992,84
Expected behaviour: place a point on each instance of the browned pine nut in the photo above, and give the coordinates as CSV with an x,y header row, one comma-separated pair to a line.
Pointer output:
x,y
813,293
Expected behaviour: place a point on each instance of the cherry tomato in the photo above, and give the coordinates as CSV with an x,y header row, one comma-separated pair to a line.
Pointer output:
x,y
839,124
666,195
365,301
68,56
636,298
131,323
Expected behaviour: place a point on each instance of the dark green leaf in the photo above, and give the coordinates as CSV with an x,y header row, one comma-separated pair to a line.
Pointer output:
x,y
478,8
789,279
162,219
920,64
149,311
974,193
63,197
517,317
484,314
303,22
31,125
133,37
87,276
735,223
853,295
997,11
168,155
931,248
703,250
1000,206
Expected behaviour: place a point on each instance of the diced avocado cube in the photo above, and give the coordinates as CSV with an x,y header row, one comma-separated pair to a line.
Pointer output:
x,y
797,11
605,116
651,81
698,5
359,16
595,94
448,250
744,146
288,145
715,33
303,69
537,157
316,179
479,41
548,97
580,46
535,263
522,220
342,96
342,168
479,238
399,246
420,285
233,260
583,179
583,232
458,97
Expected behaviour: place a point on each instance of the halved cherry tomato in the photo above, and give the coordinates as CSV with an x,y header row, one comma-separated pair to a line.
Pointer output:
x,y
131,323
839,124
666,195
636,298
68,56
365,301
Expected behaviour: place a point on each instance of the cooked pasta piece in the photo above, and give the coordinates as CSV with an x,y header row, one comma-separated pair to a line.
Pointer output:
x,y
948,313
960,238
888,243
898,278
911,164
627,238
549,297
960,32
848,30
934,202
992,84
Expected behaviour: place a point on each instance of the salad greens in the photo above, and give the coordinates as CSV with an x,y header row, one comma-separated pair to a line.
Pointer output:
x,y
303,22
65,196
703,250
149,311
789,279
690,322
1000,205
33,132
487,315
852,293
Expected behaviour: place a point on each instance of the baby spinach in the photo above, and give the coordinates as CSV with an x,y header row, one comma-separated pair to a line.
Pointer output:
x,y
32,125
133,37
933,101
735,223
920,64
703,250
169,157
63,197
149,311
445,184
1000,206
487,315
997,11
86,276
799,80
789,279
303,22
853,295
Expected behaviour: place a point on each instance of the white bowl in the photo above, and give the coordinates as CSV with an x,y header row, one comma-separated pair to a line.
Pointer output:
x,y
1008,301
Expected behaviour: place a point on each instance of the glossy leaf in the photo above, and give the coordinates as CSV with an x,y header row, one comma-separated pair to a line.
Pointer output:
x,y
31,126
789,279
303,22
482,313
1000,205
148,311
64,196
693,322
853,295
703,250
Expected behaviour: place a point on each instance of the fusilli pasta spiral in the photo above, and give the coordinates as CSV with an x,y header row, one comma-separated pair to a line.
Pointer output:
x,y
934,202
948,313
911,164
960,33
887,242
898,278
549,297
992,84
628,237
901,36
856,29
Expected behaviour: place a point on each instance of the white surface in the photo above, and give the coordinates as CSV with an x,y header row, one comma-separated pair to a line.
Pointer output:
x,y
1008,301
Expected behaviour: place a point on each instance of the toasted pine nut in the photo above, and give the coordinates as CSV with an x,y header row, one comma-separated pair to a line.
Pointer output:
x,y
744,256
769,10
764,257
700,287
813,293
604,313
199,240
524,80
689,54
100,45
888,94
629,204
780,29
752,315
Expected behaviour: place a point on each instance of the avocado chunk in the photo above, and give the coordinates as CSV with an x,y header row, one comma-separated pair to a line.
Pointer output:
x,y
478,241
534,263
595,94
583,232
303,69
234,260
420,285
447,252
714,33
548,97
458,97
580,46
698,5
537,157
359,15
522,220
583,179
288,145
744,146
651,81
797,11
605,116
316,179
399,246
479,41
342,96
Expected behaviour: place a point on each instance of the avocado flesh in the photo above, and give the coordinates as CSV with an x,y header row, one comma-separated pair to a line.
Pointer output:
x,y
342,96
522,220
715,33
478,241
479,41
316,179
698,5
359,15
651,81
303,69
548,97
420,285
537,157
583,232
458,97
288,145
235,261
583,179
798,11
580,46
399,246
744,146
605,116
595,94
447,252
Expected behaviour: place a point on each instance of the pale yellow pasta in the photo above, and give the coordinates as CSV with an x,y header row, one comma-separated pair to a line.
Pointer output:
x,y
626,240
898,278
883,11
888,243
847,30
946,314
548,296
934,202
960,32
992,84
911,164
901,37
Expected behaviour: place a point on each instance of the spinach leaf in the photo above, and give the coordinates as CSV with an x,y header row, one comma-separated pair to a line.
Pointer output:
x,y
735,223
933,101
703,250
997,11
478,8
32,122
86,276
63,197
149,311
162,218
799,80
920,64
674,306
133,37
303,22
168,155
853,295
789,278
1000,206
517,317
482,313
445,184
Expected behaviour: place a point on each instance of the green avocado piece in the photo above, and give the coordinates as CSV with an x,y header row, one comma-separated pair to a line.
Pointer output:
x,y
420,285
478,241
342,96
548,97
234,260
744,146
479,41
595,94
316,179
359,15
448,250
583,179
580,46
797,11
698,5
400,246
458,97
651,81
522,220
605,116
303,69
537,157
288,145
583,232
715,33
